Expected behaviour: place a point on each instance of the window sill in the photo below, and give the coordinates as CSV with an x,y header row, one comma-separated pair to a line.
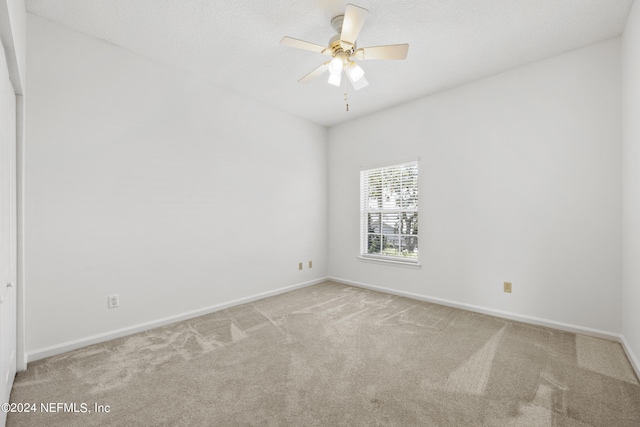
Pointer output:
x,y
375,260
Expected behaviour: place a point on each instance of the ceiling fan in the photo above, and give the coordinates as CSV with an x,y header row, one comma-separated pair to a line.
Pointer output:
x,y
343,50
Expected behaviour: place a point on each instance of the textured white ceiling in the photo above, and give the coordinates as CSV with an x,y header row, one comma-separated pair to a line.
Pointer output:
x,y
235,43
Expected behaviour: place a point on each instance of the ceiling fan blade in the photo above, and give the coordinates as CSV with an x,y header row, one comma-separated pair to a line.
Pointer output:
x,y
301,44
315,73
392,51
354,18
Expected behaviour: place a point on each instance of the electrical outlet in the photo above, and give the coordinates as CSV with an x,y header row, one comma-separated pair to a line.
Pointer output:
x,y
310,264
507,287
299,266
114,301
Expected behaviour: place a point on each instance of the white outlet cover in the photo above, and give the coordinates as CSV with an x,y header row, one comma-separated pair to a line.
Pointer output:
x,y
113,301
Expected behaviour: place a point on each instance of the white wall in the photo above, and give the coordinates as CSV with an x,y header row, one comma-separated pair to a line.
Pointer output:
x,y
520,181
631,183
13,36
145,182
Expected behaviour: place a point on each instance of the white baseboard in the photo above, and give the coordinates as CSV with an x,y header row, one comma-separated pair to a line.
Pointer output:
x,y
492,312
633,359
106,336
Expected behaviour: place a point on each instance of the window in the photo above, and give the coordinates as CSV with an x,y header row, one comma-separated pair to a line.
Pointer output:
x,y
389,212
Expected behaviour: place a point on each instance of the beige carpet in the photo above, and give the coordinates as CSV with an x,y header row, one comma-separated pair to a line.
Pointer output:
x,y
333,355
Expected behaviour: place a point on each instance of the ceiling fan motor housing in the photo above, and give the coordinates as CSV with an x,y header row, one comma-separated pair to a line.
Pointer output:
x,y
335,43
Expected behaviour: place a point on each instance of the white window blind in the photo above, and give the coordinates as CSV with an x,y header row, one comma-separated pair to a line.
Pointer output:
x,y
389,212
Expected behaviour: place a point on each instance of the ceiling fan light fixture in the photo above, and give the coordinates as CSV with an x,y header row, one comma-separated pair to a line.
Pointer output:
x,y
357,85
336,65
354,71
335,78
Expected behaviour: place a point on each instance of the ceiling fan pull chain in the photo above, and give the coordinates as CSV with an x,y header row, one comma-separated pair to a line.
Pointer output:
x,y
346,102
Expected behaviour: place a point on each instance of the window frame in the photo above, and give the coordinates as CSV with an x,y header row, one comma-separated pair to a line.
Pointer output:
x,y
365,180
